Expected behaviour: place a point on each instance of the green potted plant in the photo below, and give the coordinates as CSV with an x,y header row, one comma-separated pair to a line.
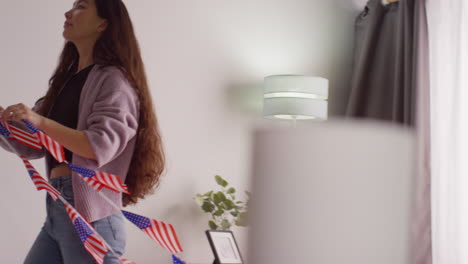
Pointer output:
x,y
223,206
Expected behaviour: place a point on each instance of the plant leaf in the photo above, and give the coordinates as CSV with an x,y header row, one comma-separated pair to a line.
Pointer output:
x,y
231,190
222,196
221,181
219,212
208,194
242,219
229,204
219,197
225,225
208,207
235,213
212,225
212,197
199,199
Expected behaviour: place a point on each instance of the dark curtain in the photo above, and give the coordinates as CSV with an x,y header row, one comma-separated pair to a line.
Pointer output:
x,y
383,78
390,81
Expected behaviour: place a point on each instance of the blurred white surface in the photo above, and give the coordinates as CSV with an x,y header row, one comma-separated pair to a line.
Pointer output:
x,y
331,193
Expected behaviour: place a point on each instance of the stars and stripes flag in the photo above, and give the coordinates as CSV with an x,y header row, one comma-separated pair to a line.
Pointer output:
x,y
3,129
176,260
126,261
95,244
91,240
99,180
51,145
161,232
39,182
72,213
24,137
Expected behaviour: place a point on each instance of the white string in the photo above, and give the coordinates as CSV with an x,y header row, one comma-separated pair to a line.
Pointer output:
x,y
82,177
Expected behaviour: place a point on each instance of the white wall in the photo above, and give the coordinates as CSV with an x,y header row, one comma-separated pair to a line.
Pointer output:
x,y
205,61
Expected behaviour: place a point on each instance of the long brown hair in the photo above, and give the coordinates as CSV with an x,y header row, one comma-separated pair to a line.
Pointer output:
x,y
117,46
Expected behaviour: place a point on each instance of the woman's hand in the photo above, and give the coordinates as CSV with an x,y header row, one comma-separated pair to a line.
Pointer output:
x,y
20,112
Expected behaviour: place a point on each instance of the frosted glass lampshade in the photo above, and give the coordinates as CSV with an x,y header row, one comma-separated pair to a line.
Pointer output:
x,y
295,97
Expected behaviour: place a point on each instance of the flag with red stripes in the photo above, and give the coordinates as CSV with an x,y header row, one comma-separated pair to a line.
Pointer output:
x,y
52,146
39,182
91,240
24,137
72,213
99,180
161,232
126,261
55,149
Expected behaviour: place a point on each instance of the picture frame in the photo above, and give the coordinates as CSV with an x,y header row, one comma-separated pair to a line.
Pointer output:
x,y
224,247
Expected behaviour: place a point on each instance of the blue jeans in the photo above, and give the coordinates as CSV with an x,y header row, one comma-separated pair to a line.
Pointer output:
x,y
58,242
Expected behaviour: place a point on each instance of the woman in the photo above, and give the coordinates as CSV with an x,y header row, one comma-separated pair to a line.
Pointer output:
x,y
99,108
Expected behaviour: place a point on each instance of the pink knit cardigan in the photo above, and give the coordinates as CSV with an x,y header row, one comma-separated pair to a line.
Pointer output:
x,y
108,114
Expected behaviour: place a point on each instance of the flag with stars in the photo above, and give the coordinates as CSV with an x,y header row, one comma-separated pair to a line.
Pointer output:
x,y
39,182
92,242
3,129
23,137
55,149
176,260
161,232
99,180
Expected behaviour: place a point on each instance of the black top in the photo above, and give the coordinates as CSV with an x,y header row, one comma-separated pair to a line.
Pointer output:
x,y
65,108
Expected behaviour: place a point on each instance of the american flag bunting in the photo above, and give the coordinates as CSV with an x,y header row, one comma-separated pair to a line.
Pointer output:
x,y
161,232
24,137
96,245
39,182
176,260
99,180
89,237
92,243
126,261
55,149
3,130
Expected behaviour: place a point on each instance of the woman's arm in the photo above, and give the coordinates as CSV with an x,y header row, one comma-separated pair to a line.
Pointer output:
x,y
74,140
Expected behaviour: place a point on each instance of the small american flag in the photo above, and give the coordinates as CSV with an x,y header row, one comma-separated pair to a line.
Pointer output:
x,y
24,137
93,242
89,237
72,213
99,180
51,145
39,182
161,232
3,130
176,260
126,261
